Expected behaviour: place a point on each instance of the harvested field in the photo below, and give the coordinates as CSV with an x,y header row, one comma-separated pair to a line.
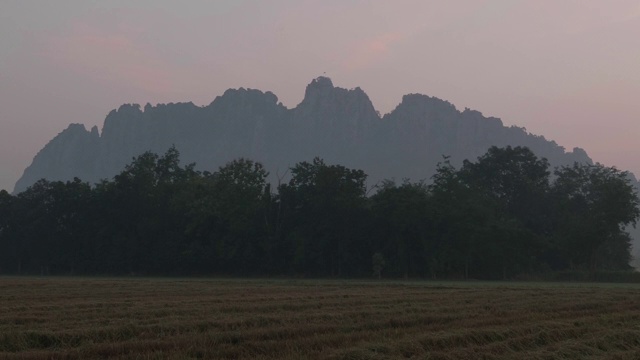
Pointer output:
x,y
75,318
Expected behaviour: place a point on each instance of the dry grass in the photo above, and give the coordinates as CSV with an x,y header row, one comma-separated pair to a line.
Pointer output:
x,y
64,318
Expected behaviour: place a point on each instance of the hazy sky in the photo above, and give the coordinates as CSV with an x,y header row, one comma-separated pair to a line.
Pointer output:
x,y
566,69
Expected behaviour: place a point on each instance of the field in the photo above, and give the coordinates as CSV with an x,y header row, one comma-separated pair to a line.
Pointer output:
x,y
76,318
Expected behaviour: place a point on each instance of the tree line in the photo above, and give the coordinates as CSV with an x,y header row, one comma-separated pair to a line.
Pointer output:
x,y
504,215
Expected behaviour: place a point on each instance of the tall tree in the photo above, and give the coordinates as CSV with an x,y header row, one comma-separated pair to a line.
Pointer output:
x,y
461,218
402,217
324,207
146,228
225,216
595,204
49,226
239,190
517,182
8,244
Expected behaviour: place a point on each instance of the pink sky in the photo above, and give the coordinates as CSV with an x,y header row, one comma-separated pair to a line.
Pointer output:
x,y
568,70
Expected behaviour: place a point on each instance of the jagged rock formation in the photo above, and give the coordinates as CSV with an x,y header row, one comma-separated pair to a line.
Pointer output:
x,y
339,125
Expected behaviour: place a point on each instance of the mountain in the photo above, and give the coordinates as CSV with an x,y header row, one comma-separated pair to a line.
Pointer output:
x,y
338,125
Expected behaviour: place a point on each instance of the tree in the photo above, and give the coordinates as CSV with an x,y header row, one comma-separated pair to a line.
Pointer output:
x,y
594,204
239,190
323,214
50,226
8,245
517,184
378,263
461,215
402,218
516,178
225,216
145,228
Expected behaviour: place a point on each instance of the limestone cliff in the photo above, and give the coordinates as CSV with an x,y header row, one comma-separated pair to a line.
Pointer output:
x,y
339,125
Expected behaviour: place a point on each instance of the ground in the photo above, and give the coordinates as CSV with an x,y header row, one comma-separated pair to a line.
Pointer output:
x,y
132,318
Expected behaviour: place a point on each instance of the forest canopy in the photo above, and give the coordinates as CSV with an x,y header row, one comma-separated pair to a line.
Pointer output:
x,y
504,215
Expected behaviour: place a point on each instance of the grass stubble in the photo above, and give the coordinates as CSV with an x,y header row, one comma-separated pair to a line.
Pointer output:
x,y
80,318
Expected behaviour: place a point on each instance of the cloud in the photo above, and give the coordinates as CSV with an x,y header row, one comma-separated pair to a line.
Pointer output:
x,y
371,51
110,57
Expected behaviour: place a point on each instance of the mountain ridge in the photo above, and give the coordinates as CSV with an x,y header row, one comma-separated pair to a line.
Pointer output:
x,y
337,124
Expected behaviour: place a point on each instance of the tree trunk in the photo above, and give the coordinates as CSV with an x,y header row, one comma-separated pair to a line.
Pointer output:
x,y
466,269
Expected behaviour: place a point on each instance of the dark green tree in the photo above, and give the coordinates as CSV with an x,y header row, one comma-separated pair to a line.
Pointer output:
x,y
402,216
493,218
461,217
226,217
145,229
49,227
595,203
9,261
239,191
324,208
516,182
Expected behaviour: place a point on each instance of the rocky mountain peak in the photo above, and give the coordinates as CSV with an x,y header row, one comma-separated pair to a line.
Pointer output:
x,y
242,95
321,92
319,86
69,154
323,100
337,124
333,121
423,106
122,120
